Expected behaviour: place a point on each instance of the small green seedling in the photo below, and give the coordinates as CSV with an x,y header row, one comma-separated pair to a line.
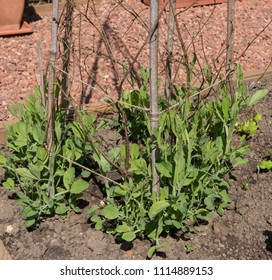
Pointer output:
x,y
189,247
245,186
249,127
265,165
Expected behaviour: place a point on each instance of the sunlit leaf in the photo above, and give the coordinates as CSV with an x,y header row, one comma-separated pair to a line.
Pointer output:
x,y
69,177
165,169
157,208
129,236
258,96
79,186
111,212
25,173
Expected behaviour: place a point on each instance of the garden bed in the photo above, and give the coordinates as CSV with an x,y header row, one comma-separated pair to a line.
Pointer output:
x,y
244,232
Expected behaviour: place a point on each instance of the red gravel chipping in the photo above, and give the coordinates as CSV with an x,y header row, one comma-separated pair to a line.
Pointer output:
x,y
126,33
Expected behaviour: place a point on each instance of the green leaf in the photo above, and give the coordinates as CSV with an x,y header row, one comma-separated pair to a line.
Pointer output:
x,y
88,121
93,209
190,177
114,153
208,73
41,153
225,108
123,152
50,202
138,166
165,169
2,159
209,202
37,90
45,198
21,129
85,174
23,172
123,228
69,177
120,191
136,194
59,172
9,184
157,208
220,211
163,246
258,96
153,229
23,199
105,165
258,117
129,236
79,186
68,149
110,212
177,224
28,212
151,251
30,222
189,247
78,131
134,151
99,225
102,124
249,127
34,170
180,163
96,219
58,130
61,209
37,133
239,161
76,209
265,165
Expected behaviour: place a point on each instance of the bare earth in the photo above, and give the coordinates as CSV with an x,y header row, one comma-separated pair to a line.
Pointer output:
x,y
245,232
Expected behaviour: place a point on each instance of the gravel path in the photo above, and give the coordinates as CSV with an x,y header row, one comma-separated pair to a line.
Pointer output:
x,y
19,71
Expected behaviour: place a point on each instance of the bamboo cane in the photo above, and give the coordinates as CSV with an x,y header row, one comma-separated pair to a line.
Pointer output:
x,y
153,68
4,254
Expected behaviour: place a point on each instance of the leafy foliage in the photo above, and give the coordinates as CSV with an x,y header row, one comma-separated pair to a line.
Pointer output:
x,y
266,163
27,168
249,127
195,144
195,141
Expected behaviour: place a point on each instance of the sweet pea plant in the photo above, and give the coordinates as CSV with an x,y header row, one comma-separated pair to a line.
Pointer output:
x,y
27,166
195,141
196,151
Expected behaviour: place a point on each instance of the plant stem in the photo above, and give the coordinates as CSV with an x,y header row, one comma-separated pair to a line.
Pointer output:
x,y
42,88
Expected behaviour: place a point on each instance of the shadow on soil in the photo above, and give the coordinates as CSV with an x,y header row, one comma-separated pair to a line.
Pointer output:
x,y
268,241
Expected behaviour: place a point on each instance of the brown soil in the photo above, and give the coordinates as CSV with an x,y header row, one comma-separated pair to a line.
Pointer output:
x,y
244,232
